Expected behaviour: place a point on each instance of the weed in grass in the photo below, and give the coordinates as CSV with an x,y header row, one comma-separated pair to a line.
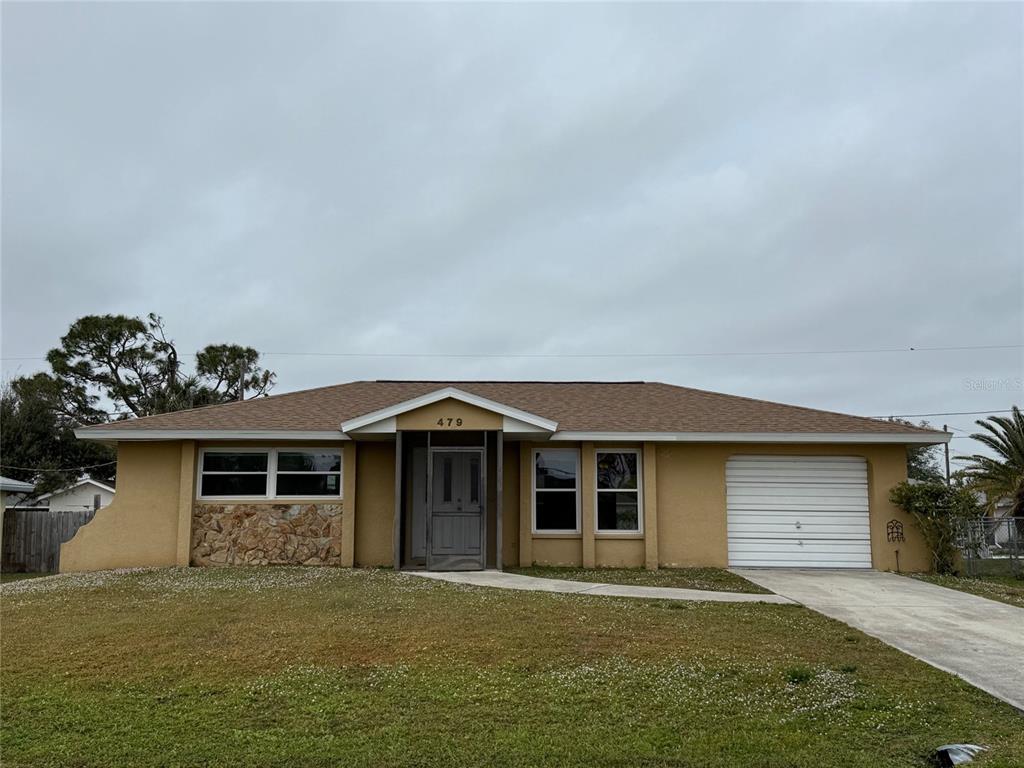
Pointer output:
x,y
799,674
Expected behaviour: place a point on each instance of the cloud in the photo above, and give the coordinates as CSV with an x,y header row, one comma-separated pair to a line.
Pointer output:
x,y
580,179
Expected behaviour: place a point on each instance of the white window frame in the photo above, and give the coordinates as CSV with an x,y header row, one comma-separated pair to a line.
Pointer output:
x,y
534,491
271,472
639,493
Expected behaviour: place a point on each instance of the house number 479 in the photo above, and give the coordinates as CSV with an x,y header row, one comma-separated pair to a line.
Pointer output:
x,y
449,422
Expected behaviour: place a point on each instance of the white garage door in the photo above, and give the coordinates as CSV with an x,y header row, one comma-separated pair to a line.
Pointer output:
x,y
798,511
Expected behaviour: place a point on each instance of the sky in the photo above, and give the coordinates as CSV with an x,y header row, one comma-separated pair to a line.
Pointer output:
x,y
562,188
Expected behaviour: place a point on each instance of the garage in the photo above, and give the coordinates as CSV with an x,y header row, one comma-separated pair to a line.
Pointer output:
x,y
798,512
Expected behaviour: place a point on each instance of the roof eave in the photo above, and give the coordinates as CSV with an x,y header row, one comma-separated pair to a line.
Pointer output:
x,y
904,438
118,435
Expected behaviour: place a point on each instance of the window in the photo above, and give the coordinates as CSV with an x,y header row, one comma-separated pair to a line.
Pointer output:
x,y
234,473
618,491
555,491
308,473
270,473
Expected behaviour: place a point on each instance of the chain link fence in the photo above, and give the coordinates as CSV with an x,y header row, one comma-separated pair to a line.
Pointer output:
x,y
992,546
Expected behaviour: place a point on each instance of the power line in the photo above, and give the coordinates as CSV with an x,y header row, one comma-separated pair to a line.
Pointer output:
x,y
951,413
57,469
609,355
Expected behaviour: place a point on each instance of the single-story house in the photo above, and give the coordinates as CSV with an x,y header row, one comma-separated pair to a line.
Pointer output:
x,y
82,494
13,491
488,474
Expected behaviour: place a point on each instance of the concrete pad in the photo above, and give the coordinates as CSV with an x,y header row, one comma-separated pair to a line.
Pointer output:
x,y
978,639
503,580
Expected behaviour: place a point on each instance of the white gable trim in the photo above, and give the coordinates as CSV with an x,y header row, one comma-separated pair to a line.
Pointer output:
x,y
87,481
443,394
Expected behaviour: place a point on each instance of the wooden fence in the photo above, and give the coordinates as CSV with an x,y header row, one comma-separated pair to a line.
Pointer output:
x,y
32,537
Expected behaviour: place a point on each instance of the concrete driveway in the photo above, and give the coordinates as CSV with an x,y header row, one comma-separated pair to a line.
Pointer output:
x,y
980,640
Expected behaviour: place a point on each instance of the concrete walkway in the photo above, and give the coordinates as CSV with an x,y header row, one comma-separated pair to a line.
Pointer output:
x,y
504,580
978,639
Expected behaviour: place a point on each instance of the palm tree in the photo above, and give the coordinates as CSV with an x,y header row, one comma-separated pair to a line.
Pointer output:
x,y
1002,477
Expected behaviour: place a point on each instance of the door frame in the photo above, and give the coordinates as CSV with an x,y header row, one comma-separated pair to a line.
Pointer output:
x,y
482,451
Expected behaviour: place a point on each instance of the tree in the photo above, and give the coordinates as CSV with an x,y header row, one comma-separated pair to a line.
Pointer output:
x,y
1001,476
37,441
131,362
922,460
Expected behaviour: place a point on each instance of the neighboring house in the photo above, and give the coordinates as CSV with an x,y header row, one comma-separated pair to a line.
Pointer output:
x,y
469,475
83,494
13,491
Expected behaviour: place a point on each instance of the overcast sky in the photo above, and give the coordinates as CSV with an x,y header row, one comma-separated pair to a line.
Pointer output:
x,y
530,179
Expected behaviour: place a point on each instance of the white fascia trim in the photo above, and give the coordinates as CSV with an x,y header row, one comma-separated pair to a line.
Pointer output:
x,y
756,437
206,434
455,394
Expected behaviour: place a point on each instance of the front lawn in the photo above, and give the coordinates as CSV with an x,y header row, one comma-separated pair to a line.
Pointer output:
x,y
7,577
326,667
717,579
1005,589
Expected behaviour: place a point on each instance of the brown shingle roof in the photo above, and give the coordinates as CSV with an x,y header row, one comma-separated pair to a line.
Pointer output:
x,y
576,406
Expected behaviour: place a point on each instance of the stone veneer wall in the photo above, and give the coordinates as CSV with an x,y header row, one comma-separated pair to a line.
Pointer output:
x,y
266,534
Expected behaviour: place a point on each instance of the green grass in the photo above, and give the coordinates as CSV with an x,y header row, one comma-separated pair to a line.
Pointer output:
x,y
1005,589
327,667
6,578
717,579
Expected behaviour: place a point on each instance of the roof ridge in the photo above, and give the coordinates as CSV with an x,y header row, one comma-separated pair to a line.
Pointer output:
x,y
452,382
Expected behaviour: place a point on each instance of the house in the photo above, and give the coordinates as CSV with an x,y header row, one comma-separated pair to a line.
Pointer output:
x,y
13,491
486,474
83,494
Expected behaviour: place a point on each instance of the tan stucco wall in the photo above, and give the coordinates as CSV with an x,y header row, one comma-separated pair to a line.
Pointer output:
x,y
510,506
691,494
426,418
149,522
375,503
140,527
619,552
551,550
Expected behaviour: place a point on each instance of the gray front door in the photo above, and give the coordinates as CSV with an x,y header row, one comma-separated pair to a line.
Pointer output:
x,y
456,530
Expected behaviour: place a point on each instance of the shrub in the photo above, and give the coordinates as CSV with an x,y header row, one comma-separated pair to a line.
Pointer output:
x,y
936,508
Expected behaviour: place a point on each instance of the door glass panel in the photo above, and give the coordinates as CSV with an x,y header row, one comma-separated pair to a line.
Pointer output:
x,y
446,482
474,479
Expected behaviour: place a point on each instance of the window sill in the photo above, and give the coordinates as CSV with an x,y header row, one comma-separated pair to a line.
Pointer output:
x,y
267,500
570,535
623,535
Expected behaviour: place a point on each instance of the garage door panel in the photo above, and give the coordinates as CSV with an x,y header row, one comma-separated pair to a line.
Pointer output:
x,y
795,468
786,562
801,505
827,496
796,492
838,531
809,544
810,474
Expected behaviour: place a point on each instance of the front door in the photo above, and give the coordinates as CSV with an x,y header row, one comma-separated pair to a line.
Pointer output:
x,y
455,533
